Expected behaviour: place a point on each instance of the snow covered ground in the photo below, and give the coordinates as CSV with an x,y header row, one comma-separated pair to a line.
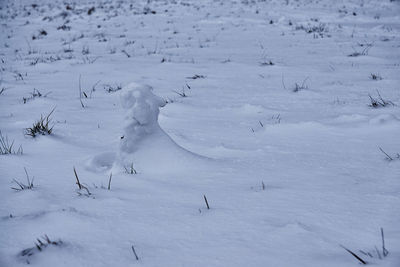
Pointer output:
x,y
268,114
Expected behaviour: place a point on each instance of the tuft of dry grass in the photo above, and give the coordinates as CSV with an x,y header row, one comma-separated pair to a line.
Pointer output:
x,y
377,102
41,127
7,148
40,245
22,186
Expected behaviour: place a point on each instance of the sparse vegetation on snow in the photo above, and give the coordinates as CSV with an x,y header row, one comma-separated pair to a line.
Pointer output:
x,y
199,133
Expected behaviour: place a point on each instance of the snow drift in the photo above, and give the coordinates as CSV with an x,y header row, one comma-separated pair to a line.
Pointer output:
x,y
143,143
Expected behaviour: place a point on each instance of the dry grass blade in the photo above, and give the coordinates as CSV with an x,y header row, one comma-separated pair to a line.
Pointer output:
x,y
109,182
77,179
81,186
386,154
385,252
205,199
134,252
354,255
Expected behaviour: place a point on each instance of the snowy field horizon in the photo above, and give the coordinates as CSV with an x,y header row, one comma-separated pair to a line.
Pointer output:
x,y
200,133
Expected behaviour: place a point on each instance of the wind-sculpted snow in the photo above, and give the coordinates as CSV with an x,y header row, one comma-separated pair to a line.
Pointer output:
x,y
144,145
141,118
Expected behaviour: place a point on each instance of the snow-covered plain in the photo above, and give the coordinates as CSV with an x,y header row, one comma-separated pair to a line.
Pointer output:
x,y
290,173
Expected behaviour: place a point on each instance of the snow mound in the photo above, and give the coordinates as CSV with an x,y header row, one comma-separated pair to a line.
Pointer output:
x,y
144,145
142,109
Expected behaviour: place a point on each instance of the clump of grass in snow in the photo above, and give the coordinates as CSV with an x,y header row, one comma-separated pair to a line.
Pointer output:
x,y
378,102
7,148
363,52
22,186
318,30
91,10
40,127
376,253
89,60
196,76
266,62
375,76
34,94
85,50
40,246
297,87
182,93
130,169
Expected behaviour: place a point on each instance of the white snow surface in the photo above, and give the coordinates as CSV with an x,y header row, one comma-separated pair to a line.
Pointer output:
x,y
263,107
